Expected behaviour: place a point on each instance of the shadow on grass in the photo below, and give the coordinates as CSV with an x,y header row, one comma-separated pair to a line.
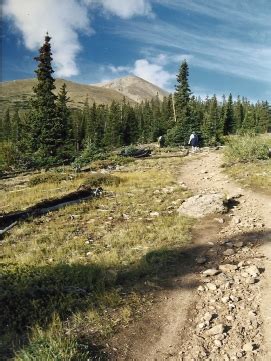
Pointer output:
x,y
31,296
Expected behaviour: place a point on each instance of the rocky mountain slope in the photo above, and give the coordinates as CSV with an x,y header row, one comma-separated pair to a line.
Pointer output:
x,y
134,88
16,93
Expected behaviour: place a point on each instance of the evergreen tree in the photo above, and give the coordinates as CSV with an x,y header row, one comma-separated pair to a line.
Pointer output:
x,y
229,124
6,128
210,127
180,132
16,127
238,113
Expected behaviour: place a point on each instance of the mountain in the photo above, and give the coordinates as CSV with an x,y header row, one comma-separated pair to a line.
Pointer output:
x,y
134,88
14,94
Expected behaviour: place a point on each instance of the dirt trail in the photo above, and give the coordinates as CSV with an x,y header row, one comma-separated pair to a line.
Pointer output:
x,y
170,331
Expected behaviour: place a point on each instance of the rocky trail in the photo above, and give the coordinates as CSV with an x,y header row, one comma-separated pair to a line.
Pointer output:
x,y
218,305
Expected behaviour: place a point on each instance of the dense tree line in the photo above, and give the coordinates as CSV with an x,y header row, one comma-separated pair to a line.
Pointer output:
x,y
50,132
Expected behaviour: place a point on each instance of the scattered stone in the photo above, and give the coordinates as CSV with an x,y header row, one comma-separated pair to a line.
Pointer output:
x,y
154,214
216,330
248,347
201,260
208,316
227,267
218,343
211,272
211,286
239,244
253,271
229,244
228,252
251,280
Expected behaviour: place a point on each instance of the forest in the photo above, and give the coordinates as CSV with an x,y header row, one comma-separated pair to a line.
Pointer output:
x,y
50,132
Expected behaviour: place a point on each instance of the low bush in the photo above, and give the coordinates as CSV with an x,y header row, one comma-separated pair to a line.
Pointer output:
x,y
100,179
48,177
246,148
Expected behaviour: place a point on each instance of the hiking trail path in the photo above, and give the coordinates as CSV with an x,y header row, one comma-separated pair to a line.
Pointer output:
x,y
224,316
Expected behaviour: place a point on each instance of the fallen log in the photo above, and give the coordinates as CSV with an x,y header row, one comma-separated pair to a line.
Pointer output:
x,y
9,220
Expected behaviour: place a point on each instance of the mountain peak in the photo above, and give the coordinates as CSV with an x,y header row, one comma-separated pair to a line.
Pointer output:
x,y
134,87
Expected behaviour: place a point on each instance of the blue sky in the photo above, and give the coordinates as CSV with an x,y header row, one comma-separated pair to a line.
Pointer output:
x,y
227,44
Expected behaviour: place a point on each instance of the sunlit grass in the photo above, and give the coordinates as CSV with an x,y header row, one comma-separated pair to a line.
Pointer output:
x,y
85,248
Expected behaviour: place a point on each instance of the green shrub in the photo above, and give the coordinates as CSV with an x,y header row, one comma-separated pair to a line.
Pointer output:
x,y
90,153
48,177
246,148
99,179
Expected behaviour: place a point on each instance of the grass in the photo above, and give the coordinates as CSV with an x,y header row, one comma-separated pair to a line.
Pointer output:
x,y
247,161
71,278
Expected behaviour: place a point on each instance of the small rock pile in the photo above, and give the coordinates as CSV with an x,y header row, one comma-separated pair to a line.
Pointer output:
x,y
227,325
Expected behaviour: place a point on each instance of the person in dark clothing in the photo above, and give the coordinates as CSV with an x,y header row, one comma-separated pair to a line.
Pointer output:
x,y
194,141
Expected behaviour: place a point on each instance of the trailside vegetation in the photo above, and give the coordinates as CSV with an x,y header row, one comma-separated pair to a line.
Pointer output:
x,y
51,133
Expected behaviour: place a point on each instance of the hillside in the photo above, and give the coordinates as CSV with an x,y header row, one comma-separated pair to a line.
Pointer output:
x,y
134,88
15,93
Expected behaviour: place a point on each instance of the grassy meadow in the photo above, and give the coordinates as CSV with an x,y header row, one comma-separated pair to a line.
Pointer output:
x,y
247,161
71,278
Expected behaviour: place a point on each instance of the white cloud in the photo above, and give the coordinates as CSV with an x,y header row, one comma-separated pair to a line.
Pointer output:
x,y
64,19
151,69
154,73
61,18
127,8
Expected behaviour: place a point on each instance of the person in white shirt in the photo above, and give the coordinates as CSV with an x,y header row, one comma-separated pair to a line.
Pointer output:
x,y
194,141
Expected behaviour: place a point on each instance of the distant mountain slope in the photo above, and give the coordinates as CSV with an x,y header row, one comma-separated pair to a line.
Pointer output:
x,y
17,92
14,94
134,88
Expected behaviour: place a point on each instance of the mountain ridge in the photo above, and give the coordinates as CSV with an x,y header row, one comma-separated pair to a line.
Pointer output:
x,y
16,93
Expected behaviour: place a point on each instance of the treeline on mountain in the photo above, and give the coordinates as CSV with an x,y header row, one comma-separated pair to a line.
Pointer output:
x,y
51,133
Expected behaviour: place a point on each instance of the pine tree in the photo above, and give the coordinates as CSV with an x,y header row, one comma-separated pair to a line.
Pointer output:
x,y
16,127
6,128
210,127
229,124
180,132
238,113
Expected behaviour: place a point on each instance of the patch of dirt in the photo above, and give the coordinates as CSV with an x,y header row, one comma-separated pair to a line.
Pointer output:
x,y
217,307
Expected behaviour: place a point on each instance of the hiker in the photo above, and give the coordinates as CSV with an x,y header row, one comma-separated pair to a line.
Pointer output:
x,y
161,141
194,140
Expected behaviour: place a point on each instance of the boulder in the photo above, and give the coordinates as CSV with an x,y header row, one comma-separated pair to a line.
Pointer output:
x,y
203,204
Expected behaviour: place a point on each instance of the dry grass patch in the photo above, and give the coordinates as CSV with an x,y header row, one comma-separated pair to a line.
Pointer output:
x,y
78,271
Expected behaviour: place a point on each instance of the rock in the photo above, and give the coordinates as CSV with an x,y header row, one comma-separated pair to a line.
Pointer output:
x,y
227,267
220,220
200,205
216,330
228,252
244,274
251,280
208,316
201,325
201,288
154,214
239,244
201,260
253,271
248,347
229,244
234,298
211,272
211,286
225,299
218,343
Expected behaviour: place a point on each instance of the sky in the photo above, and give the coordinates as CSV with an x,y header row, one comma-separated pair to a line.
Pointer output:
x,y
227,44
